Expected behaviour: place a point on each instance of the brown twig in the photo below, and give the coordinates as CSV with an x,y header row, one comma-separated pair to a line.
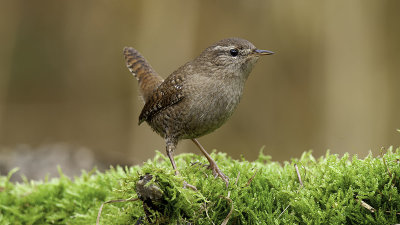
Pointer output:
x,y
283,211
112,201
370,208
186,184
237,178
365,205
251,179
384,162
230,212
298,174
305,172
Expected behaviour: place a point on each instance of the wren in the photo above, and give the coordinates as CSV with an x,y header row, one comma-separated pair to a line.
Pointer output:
x,y
198,97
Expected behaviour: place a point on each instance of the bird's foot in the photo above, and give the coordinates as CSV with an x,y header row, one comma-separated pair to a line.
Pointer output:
x,y
218,173
213,165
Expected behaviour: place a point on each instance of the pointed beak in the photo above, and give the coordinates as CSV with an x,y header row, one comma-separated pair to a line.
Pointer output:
x,y
262,52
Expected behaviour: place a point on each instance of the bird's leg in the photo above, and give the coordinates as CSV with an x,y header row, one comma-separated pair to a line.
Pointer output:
x,y
171,145
170,149
213,165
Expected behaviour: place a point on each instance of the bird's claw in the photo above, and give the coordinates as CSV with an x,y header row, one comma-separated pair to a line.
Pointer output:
x,y
218,173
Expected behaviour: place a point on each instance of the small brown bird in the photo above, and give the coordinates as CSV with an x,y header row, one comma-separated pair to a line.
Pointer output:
x,y
198,97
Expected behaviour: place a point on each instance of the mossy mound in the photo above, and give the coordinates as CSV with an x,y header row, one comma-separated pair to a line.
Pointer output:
x,y
334,190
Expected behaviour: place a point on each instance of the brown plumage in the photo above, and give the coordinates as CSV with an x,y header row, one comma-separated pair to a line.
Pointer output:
x,y
148,79
199,96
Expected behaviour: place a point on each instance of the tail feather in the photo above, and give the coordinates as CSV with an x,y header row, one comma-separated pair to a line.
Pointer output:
x,y
147,78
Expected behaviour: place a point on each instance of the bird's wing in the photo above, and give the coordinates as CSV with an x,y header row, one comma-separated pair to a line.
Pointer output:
x,y
148,79
166,95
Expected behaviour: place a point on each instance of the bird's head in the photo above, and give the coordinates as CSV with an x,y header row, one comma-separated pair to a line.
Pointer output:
x,y
231,56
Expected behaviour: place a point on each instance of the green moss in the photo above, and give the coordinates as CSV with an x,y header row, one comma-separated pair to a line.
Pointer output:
x,y
266,192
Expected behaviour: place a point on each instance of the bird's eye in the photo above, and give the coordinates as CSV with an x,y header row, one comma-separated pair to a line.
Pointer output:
x,y
234,52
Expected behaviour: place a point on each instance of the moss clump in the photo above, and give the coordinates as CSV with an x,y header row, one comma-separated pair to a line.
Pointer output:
x,y
336,190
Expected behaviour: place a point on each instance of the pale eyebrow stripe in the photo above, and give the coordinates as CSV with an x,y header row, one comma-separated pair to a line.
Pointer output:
x,y
223,47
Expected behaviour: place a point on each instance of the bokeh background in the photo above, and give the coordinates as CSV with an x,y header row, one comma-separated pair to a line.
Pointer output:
x,y
66,97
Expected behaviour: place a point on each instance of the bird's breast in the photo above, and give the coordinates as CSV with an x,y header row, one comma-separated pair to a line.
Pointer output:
x,y
210,103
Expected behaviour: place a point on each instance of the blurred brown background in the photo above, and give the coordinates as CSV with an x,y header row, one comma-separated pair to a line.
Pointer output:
x,y
67,98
